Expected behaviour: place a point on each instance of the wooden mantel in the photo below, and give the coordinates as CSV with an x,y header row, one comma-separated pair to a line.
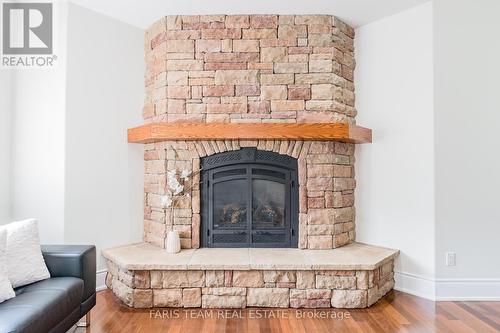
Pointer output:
x,y
231,131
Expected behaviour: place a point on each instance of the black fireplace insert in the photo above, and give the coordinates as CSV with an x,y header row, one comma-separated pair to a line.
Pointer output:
x,y
249,198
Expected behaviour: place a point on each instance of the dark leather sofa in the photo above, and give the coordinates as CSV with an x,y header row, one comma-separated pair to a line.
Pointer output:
x,y
56,304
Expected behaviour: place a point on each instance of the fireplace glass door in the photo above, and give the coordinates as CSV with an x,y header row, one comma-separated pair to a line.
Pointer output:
x,y
249,204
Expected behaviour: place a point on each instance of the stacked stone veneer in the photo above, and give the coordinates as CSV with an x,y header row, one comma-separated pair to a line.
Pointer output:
x,y
257,69
259,288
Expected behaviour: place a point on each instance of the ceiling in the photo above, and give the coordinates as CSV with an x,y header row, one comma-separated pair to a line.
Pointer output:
x,y
143,13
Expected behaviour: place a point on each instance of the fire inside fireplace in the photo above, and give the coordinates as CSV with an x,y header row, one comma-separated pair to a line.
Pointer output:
x,y
249,199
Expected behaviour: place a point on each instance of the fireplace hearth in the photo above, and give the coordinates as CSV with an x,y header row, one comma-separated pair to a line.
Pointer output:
x,y
249,198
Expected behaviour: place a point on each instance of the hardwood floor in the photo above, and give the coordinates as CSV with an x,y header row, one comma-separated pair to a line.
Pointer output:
x,y
397,312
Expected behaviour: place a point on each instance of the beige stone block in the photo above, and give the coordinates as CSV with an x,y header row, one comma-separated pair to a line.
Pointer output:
x,y
313,19
299,92
343,171
320,170
341,239
324,91
123,292
191,297
176,279
320,229
237,21
298,293
324,105
248,279
320,39
335,282
349,299
279,276
373,295
178,46
225,291
176,106
227,108
126,277
318,293
245,45
195,231
343,184
221,302
179,92
271,79
220,33
345,214
273,54
290,67
141,279
319,242
184,65
167,298
362,279
236,77
305,280
320,66
214,278
196,108
288,31
259,33
320,216
287,105
156,279
319,28
319,78
143,298
302,228
206,45
268,297
274,92
264,21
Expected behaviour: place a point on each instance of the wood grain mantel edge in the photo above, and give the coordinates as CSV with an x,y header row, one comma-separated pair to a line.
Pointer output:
x,y
155,132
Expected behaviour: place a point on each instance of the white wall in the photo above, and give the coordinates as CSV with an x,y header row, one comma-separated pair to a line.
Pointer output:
x,y
467,119
37,177
6,105
105,89
394,96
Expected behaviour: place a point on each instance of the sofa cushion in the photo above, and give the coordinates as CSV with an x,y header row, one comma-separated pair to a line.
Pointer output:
x,y
25,262
40,306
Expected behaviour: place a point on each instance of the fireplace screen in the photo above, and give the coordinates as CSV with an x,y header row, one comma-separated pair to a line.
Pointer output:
x,y
249,199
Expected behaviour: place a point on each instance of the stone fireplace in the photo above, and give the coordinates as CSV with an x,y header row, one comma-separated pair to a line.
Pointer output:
x,y
254,115
252,69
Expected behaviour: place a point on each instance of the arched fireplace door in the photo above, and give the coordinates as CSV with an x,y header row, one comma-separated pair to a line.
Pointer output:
x,y
249,198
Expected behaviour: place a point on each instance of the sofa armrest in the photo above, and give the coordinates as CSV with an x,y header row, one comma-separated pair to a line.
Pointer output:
x,y
73,261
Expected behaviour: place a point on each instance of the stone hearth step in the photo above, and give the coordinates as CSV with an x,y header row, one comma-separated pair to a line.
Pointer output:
x,y
353,276
355,256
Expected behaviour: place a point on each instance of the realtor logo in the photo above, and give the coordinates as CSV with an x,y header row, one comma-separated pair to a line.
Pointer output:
x,y
27,28
27,35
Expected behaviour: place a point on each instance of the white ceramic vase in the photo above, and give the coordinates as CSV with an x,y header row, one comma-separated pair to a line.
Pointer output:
x,y
173,242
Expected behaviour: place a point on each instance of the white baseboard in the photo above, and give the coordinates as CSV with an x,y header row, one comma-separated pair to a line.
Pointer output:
x,y
100,281
415,285
467,289
448,289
